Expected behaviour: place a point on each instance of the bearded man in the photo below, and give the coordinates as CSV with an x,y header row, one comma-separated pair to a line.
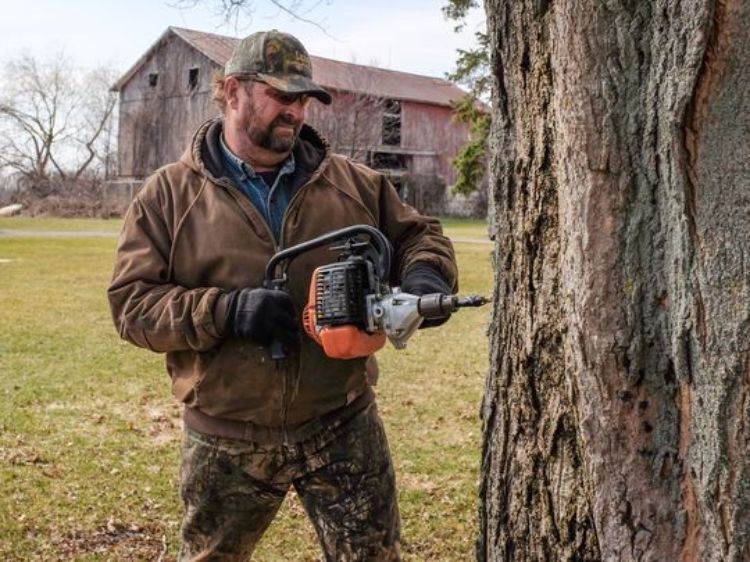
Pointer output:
x,y
188,282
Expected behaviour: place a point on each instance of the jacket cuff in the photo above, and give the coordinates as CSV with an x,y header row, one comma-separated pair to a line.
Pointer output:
x,y
222,313
446,271
429,270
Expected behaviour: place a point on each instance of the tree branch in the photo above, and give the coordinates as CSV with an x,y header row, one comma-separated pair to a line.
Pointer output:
x,y
231,9
49,112
97,132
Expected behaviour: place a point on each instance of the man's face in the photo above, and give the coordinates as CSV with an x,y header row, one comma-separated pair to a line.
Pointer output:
x,y
271,119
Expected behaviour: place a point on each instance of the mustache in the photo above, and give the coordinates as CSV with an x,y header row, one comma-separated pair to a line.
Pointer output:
x,y
284,120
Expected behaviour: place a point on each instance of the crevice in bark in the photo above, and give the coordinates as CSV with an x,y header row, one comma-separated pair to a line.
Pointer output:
x,y
712,67
690,551
540,8
737,449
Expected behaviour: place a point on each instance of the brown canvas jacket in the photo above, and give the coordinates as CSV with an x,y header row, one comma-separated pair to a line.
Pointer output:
x,y
190,236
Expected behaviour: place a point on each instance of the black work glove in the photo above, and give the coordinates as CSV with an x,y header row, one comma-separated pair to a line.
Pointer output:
x,y
424,279
263,316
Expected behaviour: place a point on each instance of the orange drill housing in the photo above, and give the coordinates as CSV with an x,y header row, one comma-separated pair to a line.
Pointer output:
x,y
337,313
339,342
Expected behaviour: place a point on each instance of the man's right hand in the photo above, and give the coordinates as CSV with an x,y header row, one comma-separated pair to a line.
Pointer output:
x,y
263,316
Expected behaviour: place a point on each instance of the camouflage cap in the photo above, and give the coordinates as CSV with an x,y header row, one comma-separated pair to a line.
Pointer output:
x,y
277,59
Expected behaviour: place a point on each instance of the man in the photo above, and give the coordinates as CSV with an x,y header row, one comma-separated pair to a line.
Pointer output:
x,y
187,282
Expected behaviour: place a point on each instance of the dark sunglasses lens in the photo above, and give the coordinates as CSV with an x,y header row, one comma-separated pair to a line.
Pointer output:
x,y
288,99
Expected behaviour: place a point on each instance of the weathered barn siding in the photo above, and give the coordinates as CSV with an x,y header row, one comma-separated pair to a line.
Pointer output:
x,y
156,122
429,136
352,123
432,128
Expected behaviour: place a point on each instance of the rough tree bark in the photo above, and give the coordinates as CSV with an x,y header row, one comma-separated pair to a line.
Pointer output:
x,y
617,407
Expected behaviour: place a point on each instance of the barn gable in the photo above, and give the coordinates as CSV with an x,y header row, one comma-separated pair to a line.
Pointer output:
x,y
163,98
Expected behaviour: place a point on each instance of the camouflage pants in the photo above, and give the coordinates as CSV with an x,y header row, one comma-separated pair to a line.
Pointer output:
x,y
232,490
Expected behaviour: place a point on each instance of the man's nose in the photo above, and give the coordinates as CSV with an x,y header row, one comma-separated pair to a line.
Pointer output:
x,y
295,110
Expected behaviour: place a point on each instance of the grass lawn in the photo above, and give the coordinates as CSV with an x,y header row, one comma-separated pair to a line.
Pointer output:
x,y
464,228
89,435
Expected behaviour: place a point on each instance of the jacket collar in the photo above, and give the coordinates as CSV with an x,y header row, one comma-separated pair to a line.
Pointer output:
x,y
310,152
236,167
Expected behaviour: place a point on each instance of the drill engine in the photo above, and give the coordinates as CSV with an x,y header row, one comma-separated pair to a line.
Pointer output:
x,y
337,312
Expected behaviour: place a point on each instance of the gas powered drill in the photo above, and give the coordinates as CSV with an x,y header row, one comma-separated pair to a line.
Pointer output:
x,y
351,308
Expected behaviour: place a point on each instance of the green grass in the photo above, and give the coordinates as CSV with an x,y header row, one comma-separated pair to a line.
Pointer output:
x,y
465,228
89,435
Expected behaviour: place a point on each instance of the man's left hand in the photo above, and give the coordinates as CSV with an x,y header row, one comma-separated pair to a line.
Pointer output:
x,y
424,279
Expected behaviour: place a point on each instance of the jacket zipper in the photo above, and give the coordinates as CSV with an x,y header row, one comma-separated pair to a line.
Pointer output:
x,y
282,370
290,393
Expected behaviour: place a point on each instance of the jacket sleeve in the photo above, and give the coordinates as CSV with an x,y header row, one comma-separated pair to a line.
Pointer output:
x,y
415,237
148,310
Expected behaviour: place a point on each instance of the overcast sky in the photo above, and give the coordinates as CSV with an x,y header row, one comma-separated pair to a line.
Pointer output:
x,y
406,35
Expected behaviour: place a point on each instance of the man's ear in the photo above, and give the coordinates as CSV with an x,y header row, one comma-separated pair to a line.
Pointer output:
x,y
231,91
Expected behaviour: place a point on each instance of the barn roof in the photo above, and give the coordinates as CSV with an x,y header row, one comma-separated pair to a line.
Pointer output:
x,y
329,73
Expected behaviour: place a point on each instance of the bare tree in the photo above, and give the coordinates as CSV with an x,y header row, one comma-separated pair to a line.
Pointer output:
x,y
35,109
353,123
235,11
617,406
54,119
96,122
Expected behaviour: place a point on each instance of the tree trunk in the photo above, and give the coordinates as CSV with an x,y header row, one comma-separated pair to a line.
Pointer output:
x,y
617,407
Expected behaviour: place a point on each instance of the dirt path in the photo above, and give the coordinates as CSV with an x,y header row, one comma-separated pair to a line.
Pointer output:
x,y
468,240
59,233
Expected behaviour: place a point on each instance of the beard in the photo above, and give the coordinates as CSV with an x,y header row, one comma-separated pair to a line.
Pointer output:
x,y
271,138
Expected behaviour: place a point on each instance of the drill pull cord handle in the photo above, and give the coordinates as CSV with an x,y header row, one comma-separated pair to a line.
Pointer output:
x,y
281,260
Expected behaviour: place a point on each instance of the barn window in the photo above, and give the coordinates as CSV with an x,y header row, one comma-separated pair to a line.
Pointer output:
x,y
153,79
192,78
387,161
392,122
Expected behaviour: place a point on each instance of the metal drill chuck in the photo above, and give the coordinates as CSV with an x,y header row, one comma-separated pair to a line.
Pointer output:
x,y
438,305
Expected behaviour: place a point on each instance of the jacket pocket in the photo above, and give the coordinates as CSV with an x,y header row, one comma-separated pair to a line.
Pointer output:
x,y
240,382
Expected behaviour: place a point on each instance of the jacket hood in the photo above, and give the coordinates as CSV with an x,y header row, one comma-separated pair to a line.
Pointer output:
x,y
203,155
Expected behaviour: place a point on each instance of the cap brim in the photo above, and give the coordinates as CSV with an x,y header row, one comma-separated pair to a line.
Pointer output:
x,y
296,84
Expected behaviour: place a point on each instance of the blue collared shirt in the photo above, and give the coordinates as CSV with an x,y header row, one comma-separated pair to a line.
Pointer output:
x,y
271,201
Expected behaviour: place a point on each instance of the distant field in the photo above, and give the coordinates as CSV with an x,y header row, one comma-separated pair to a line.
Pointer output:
x,y
89,435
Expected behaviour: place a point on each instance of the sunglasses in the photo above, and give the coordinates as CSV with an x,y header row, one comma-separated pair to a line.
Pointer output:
x,y
283,98
287,98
